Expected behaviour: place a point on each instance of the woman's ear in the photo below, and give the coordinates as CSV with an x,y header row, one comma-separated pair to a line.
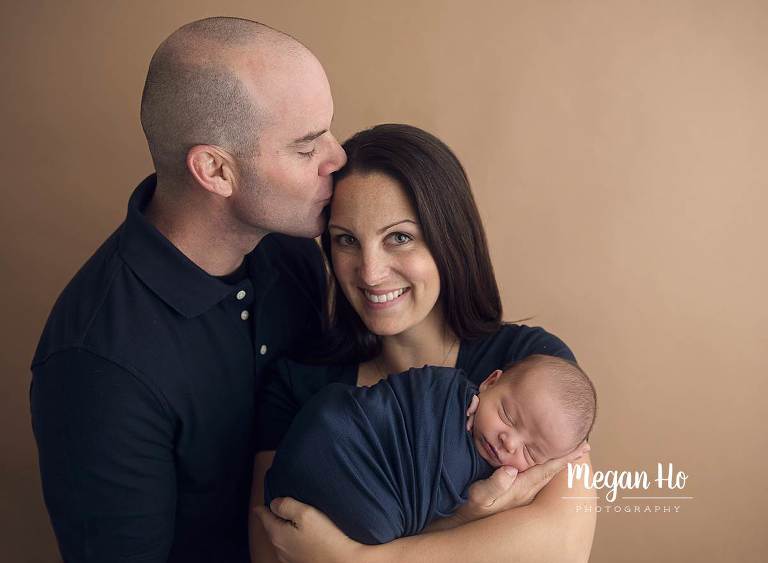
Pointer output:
x,y
491,380
211,168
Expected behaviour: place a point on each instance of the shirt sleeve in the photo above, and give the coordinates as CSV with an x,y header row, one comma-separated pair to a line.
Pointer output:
x,y
278,407
290,385
105,445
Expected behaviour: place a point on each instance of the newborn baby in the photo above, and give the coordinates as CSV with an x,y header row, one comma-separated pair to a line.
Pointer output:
x,y
384,461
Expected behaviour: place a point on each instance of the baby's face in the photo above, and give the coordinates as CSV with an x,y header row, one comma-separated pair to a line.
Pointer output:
x,y
520,422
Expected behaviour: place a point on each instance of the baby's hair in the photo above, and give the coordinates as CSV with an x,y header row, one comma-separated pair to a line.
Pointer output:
x,y
576,392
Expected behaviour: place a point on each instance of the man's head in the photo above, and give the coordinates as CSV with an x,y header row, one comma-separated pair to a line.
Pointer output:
x,y
537,409
244,112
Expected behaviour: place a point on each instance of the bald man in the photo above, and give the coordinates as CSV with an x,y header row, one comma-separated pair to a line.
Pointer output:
x,y
145,377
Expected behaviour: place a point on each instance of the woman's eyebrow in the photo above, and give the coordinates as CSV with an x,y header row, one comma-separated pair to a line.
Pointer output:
x,y
383,229
396,223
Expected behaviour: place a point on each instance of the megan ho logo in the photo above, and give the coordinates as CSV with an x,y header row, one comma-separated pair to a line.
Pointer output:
x,y
667,484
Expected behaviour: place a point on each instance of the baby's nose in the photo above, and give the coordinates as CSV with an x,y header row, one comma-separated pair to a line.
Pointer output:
x,y
510,442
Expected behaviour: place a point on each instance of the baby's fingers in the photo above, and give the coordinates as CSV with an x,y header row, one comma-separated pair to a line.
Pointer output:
x,y
471,412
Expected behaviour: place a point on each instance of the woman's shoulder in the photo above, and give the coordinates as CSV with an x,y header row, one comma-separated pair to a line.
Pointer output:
x,y
512,342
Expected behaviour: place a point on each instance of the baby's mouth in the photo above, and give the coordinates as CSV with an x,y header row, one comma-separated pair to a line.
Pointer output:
x,y
491,450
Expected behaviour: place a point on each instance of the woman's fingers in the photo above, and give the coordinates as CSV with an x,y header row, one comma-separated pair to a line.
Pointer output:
x,y
289,509
301,533
484,494
272,524
535,478
507,489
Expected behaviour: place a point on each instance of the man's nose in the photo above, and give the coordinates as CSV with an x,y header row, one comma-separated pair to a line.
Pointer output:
x,y
336,160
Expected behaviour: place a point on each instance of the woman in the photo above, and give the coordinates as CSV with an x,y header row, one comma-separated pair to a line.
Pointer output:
x,y
414,285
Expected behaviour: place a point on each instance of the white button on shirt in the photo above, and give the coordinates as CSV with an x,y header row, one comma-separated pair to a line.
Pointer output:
x,y
240,295
244,315
263,349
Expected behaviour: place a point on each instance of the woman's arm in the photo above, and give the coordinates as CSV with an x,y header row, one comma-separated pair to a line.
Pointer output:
x,y
261,548
549,529
525,534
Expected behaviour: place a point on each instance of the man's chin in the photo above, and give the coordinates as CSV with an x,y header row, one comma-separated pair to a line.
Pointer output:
x,y
308,231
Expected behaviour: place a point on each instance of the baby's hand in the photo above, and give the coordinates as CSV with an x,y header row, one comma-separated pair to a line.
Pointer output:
x,y
471,412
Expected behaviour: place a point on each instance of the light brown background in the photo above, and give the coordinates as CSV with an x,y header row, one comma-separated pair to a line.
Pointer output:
x,y
618,156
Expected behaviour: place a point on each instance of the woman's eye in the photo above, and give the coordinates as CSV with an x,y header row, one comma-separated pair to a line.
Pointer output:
x,y
345,240
401,238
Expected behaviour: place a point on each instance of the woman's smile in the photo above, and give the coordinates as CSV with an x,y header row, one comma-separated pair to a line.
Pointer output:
x,y
384,299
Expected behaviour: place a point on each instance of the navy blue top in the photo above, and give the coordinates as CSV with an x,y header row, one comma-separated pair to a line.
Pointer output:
x,y
295,383
144,387
383,461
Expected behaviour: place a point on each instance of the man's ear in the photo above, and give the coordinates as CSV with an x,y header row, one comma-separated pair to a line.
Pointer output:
x,y
491,380
212,168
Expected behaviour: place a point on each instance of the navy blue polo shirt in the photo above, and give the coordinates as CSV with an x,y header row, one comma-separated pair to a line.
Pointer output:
x,y
144,388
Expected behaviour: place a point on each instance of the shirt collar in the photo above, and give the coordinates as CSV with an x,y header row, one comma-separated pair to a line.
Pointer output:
x,y
177,280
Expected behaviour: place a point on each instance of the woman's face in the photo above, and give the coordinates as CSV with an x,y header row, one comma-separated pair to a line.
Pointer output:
x,y
379,255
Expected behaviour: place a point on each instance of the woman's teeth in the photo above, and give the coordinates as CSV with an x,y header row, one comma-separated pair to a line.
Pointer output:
x,y
383,298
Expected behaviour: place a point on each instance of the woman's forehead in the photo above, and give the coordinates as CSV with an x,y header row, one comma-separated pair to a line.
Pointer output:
x,y
370,200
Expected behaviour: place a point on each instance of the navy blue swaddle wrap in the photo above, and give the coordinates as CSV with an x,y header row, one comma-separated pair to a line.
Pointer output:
x,y
382,461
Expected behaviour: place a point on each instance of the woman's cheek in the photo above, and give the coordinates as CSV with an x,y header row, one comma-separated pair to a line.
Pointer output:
x,y
344,270
342,266
421,269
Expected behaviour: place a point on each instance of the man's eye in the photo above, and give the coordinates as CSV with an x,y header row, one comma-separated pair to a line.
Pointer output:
x,y
345,240
308,154
401,238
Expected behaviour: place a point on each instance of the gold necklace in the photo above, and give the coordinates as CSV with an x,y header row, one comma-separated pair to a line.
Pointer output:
x,y
380,364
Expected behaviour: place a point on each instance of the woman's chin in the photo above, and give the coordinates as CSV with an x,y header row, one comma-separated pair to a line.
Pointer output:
x,y
384,328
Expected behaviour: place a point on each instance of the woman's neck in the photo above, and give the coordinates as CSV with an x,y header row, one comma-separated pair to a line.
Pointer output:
x,y
431,342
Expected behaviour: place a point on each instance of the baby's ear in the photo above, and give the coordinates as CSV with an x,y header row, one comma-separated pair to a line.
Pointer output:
x,y
491,380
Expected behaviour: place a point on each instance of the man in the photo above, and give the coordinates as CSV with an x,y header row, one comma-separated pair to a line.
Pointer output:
x,y
145,378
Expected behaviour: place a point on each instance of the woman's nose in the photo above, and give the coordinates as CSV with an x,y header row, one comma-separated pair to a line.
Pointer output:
x,y
373,269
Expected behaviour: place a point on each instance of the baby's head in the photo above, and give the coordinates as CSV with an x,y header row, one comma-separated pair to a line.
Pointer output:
x,y
535,410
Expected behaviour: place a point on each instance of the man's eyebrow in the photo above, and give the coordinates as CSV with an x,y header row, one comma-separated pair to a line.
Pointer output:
x,y
309,137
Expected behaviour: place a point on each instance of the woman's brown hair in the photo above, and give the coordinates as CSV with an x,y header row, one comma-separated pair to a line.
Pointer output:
x,y
439,190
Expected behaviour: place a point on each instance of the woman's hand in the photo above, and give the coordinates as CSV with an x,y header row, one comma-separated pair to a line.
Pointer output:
x,y
507,489
303,534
